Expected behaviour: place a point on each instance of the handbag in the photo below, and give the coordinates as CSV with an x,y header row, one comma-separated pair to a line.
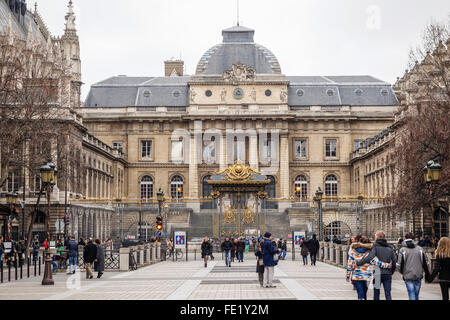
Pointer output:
x,y
276,257
261,262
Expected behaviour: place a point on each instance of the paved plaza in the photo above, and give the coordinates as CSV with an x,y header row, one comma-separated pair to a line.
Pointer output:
x,y
191,281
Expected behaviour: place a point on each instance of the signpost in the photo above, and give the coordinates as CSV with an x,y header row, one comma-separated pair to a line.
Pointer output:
x,y
297,240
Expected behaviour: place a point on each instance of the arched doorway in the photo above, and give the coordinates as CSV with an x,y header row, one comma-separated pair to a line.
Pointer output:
x,y
338,229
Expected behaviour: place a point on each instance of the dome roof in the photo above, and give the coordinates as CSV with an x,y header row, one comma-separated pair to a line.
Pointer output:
x,y
238,46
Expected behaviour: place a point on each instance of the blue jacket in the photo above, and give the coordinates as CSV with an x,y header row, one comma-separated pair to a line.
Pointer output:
x,y
268,250
72,247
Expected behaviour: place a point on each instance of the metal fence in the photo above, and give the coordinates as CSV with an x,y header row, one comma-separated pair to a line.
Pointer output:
x,y
16,268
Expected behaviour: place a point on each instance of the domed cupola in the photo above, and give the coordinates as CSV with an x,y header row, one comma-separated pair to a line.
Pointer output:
x,y
238,46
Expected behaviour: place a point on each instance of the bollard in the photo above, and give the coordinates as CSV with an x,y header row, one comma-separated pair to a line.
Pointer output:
x,y
21,271
39,265
124,258
15,270
1,270
9,272
195,255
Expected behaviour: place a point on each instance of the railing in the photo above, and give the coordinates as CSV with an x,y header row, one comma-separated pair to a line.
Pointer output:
x,y
16,269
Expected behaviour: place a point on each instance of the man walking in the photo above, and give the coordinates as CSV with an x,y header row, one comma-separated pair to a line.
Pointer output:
x,y
240,250
89,255
313,247
72,248
227,245
383,251
268,251
413,263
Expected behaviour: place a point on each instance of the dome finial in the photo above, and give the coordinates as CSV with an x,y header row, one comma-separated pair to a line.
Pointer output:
x,y
238,13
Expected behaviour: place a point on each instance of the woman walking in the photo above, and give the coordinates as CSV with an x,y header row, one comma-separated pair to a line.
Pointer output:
x,y
361,275
260,264
100,259
304,252
442,266
206,250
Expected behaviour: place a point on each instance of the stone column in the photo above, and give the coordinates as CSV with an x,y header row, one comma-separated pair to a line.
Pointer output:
x,y
284,166
223,151
253,152
193,169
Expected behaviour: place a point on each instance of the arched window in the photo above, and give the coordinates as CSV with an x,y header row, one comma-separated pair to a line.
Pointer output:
x,y
176,187
208,202
146,188
302,183
271,190
331,186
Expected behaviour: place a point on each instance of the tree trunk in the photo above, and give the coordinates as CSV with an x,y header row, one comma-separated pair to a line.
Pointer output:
x,y
30,227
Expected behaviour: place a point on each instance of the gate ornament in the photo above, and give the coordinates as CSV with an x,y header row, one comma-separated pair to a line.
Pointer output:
x,y
238,172
249,215
229,215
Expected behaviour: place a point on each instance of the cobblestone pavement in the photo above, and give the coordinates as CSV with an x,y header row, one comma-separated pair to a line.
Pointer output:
x,y
191,281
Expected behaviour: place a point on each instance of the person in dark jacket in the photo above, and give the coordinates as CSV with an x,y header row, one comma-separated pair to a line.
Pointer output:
x,y
233,249
269,249
260,264
304,252
35,251
100,259
72,248
81,242
227,246
89,255
313,248
206,250
384,252
240,248
442,266
413,264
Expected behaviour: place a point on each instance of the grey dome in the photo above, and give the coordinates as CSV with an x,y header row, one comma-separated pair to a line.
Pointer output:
x,y
238,46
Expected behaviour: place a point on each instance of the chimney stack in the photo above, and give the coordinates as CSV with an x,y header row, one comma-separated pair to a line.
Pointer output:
x,y
174,68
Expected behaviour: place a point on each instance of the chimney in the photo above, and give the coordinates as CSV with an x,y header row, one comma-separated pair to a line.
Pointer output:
x,y
174,68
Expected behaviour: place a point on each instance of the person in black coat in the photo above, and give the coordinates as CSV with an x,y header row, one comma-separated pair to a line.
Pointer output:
x,y
206,250
233,249
227,246
240,248
260,264
442,267
313,248
100,258
89,256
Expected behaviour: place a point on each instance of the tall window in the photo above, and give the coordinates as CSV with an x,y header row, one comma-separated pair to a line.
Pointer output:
x,y
146,188
331,148
209,151
300,149
302,183
146,149
13,182
118,145
268,148
334,229
176,187
208,202
440,223
239,149
331,186
177,150
271,192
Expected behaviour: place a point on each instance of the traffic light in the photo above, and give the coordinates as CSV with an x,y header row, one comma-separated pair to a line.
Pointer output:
x,y
159,222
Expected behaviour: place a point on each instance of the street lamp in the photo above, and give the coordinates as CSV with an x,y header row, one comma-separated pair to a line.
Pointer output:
x,y
49,176
318,198
11,200
432,175
298,191
360,205
161,199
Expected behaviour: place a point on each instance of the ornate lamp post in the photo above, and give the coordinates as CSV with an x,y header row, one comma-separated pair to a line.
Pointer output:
x,y
160,198
49,178
432,175
360,207
318,198
11,200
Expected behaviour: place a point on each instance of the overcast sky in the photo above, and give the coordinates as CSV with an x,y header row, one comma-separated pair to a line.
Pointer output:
x,y
309,37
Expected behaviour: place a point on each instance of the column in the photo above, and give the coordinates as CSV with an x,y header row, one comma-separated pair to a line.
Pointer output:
x,y
223,151
253,152
284,166
193,169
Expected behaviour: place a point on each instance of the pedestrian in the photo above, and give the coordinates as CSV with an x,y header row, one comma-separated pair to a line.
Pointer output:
x,y
360,275
240,249
421,242
384,252
427,242
254,244
413,263
269,250
212,250
163,249
170,246
283,250
304,252
21,252
100,259
81,242
2,250
233,249
72,248
442,266
227,246
313,247
206,250
260,264
59,247
35,251
247,245
89,255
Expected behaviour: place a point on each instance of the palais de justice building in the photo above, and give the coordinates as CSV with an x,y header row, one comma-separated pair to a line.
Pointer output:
x,y
177,130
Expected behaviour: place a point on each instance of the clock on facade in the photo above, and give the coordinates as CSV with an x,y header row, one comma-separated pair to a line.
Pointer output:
x,y
238,93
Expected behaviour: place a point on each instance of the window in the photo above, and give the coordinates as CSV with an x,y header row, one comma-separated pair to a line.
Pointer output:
x,y
331,186
118,146
176,187
271,193
300,149
146,149
37,183
177,150
440,223
358,144
12,184
146,188
207,189
268,148
302,183
239,149
330,148
209,151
